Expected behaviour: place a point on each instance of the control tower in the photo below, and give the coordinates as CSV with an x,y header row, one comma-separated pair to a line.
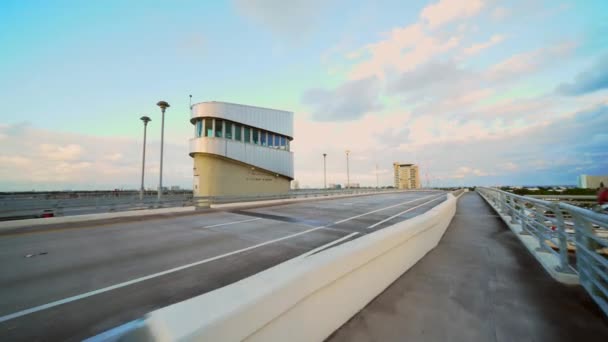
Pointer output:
x,y
240,150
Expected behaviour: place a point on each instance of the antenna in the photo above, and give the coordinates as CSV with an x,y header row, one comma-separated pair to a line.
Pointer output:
x,y
190,101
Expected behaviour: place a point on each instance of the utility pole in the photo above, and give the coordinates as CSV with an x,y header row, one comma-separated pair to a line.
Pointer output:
x,y
325,171
377,176
145,119
163,105
347,171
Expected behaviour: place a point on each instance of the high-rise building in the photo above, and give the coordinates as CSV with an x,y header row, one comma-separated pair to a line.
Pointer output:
x,y
406,176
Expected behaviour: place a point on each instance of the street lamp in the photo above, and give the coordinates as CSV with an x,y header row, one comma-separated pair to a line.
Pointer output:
x,y
145,119
324,171
347,171
163,105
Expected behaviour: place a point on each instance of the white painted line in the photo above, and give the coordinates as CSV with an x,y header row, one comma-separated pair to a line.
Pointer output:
x,y
403,212
155,275
233,222
311,252
377,210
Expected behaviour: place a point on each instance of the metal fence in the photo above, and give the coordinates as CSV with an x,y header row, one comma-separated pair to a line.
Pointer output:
x,y
577,237
207,200
23,207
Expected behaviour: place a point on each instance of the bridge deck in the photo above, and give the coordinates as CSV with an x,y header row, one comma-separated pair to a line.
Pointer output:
x,y
479,284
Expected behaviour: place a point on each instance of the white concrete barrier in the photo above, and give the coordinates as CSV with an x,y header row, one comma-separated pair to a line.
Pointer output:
x,y
306,298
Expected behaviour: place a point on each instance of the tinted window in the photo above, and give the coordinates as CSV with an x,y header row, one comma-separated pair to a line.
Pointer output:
x,y
208,127
247,137
237,132
218,128
228,130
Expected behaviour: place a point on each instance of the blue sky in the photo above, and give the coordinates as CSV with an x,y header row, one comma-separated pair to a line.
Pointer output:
x,y
471,90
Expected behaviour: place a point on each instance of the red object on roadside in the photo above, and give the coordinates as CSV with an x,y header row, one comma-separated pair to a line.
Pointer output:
x,y
602,196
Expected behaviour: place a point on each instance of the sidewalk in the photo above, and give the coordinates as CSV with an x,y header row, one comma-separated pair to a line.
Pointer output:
x,y
478,284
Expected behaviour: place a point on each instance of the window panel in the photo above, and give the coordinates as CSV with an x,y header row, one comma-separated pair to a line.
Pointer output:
x,y
256,136
247,138
283,143
208,127
237,132
277,141
263,138
270,139
218,128
228,130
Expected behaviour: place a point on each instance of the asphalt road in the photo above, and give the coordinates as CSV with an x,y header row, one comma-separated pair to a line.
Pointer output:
x,y
69,283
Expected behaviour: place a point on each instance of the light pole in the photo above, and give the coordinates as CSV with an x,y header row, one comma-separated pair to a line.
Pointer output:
x,y
347,171
163,105
324,171
145,119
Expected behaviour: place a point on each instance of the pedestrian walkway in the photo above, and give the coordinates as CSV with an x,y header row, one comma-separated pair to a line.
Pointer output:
x,y
478,284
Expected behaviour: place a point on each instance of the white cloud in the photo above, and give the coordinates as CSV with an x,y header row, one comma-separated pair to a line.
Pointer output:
x,y
530,61
446,11
478,47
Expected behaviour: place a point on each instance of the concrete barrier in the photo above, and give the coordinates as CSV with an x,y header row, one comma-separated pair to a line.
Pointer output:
x,y
306,298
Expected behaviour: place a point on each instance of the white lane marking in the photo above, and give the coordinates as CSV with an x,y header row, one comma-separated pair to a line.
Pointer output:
x,y
155,275
403,212
233,222
311,252
377,210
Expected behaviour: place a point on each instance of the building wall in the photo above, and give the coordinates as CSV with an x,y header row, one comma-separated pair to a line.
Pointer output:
x,y
219,176
406,176
592,182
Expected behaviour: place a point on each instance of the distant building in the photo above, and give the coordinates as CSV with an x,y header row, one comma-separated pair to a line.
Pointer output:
x,y
353,185
175,188
335,186
407,176
591,182
295,184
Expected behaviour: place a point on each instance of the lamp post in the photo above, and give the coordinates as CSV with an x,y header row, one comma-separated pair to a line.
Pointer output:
x,y
325,171
145,119
347,171
163,105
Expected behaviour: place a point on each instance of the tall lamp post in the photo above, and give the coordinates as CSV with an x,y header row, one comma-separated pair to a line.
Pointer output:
x,y
347,171
325,171
145,119
163,105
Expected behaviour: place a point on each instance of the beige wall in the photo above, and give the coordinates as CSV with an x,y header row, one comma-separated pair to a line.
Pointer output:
x,y
406,177
218,176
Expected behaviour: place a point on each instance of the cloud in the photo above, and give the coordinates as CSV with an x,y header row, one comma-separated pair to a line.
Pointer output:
x,y
591,80
426,76
478,47
287,19
34,158
403,50
530,61
446,11
349,101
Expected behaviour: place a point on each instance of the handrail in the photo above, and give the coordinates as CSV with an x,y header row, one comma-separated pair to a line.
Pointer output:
x,y
578,237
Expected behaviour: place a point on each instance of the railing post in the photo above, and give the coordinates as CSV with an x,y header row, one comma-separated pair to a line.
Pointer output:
x,y
563,239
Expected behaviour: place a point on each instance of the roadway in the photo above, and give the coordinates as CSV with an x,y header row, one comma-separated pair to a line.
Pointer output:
x,y
69,282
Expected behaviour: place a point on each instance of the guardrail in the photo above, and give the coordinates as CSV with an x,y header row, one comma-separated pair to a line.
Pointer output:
x,y
203,201
577,237
31,208
13,208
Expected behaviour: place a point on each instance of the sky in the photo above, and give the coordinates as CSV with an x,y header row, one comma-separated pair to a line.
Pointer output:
x,y
476,92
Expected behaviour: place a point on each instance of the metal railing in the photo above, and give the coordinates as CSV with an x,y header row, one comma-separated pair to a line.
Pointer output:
x,y
207,200
577,237
21,207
